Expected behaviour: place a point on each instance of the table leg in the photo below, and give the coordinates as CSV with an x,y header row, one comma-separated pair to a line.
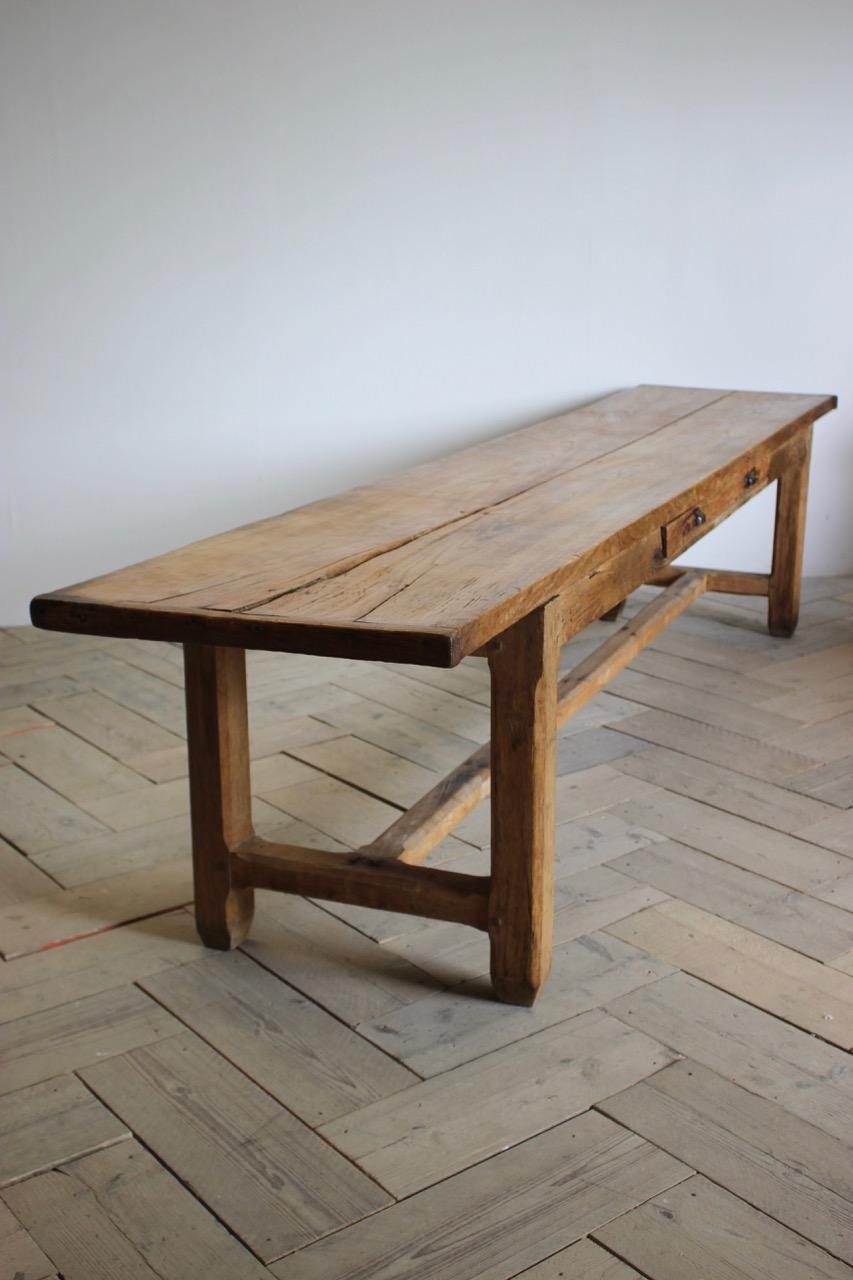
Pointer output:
x,y
784,595
521,899
220,793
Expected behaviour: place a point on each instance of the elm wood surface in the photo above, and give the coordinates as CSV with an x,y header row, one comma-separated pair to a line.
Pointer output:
x,y
428,565
509,549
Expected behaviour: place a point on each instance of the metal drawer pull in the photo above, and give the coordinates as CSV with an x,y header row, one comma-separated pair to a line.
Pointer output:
x,y
751,478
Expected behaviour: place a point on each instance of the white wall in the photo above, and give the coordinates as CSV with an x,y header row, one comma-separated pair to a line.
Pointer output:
x,y
254,251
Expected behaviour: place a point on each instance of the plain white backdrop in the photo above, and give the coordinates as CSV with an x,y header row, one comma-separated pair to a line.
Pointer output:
x,y
255,251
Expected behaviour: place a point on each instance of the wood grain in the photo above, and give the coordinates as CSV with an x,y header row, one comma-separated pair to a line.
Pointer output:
x,y
50,1123
435,1128
341,811
105,724
746,844
699,1228
767,975
501,1216
75,1230
302,1056
34,817
793,1172
430,565
258,1168
20,1256
123,1191
698,878
333,964
96,963
808,1077
45,921
728,789
448,1028
378,772
582,1261
715,709
68,765
762,760
46,1044
20,878
761,1005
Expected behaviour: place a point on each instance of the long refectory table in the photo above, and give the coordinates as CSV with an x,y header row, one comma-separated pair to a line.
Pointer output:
x,y
507,549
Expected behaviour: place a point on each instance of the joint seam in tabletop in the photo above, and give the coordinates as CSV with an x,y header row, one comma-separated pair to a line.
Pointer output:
x,y
533,593
343,631
448,526
389,482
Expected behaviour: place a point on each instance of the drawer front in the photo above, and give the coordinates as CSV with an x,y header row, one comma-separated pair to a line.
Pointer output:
x,y
725,496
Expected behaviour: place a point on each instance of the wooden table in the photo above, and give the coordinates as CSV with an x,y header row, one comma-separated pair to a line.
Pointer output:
x,y
507,549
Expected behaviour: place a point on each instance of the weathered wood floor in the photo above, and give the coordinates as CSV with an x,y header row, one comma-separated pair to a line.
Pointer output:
x,y
341,1098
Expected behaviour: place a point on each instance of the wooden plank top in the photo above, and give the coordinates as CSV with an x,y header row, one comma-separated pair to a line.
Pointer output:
x,y
429,564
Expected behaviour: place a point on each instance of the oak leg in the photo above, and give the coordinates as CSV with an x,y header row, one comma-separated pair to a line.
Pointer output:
x,y
220,795
784,595
524,731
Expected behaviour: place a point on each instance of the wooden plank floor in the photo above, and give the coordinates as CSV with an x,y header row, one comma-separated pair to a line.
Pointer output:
x,y
342,1099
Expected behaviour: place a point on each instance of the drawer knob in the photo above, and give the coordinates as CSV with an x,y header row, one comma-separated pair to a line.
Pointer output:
x,y
698,517
751,478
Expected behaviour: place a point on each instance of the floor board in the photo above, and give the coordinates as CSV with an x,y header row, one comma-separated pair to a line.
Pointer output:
x,y
265,1174
795,1173
431,1130
502,1216
700,1229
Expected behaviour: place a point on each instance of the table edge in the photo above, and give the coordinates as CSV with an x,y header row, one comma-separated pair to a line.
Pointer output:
x,y
66,611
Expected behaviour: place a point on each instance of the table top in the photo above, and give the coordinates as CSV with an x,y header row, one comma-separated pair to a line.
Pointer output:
x,y
428,564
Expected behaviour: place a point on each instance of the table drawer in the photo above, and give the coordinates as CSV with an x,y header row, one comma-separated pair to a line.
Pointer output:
x,y
725,496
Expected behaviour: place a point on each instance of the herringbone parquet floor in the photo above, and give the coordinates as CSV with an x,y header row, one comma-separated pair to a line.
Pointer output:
x,y
341,1099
